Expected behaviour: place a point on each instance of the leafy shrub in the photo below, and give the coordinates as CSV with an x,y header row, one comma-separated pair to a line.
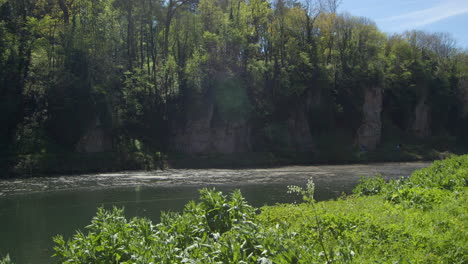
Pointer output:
x,y
416,197
449,174
307,193
110,239
370,186
6,260
193,236
425,187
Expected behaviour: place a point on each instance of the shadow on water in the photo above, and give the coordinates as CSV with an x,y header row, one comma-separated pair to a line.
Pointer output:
x,y
30,218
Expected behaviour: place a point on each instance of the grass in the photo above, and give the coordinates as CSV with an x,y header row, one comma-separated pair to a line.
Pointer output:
x,y
372,230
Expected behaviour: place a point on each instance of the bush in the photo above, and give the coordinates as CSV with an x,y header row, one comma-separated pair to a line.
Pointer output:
x,y
416,197
424,188
370,186
6,260
193,236
449,174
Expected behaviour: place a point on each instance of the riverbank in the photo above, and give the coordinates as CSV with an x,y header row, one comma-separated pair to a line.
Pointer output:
x,y
420,219
43,164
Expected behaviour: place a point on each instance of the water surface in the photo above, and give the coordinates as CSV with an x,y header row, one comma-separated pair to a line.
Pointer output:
x,y
33,210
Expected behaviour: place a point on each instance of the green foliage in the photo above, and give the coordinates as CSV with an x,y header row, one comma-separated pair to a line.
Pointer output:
x,y
277,135
307,193
232,100
208,231
416,197
6,260
111,239
449,174
73,163
370,186
430,227
420,225
425,187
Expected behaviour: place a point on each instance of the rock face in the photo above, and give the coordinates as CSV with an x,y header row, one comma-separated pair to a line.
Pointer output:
x,y
212,126
205,132
222,138
96,139
300,137
370,131
464,96
421,120
465,106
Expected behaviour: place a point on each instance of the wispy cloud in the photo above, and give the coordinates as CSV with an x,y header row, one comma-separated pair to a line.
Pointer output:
x,y
419,18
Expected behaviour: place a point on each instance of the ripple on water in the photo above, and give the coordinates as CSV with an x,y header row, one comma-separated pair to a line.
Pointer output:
x,y
207,177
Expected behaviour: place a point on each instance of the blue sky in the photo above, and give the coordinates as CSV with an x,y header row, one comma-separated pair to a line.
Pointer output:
x,y
429,15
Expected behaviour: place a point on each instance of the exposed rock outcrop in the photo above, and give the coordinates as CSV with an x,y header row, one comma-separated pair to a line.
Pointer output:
x,y
96,139
300,137
463,87
221,124
205,132
223,138
369,133
421,120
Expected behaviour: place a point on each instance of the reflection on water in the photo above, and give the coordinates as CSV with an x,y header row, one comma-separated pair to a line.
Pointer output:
x,y
33,210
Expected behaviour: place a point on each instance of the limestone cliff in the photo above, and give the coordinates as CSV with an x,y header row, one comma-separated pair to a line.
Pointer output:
x,y
95,139
206,132
463,92
369,133
300,136
421,119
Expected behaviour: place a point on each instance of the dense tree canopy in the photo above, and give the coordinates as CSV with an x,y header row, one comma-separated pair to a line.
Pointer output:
x,y
130,73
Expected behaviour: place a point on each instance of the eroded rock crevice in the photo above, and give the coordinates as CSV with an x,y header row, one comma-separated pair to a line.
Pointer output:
x,y
420,126
206,132
370,131
96,139
301,138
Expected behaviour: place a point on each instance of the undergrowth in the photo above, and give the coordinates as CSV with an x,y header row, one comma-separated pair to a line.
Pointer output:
x,y
420,219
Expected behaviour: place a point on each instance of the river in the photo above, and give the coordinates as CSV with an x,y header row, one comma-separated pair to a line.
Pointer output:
x,y
33,210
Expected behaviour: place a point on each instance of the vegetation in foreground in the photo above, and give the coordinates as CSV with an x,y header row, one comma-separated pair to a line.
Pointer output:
x,y
420,219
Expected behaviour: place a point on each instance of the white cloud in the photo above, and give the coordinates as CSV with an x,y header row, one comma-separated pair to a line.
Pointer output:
x,y
415,19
